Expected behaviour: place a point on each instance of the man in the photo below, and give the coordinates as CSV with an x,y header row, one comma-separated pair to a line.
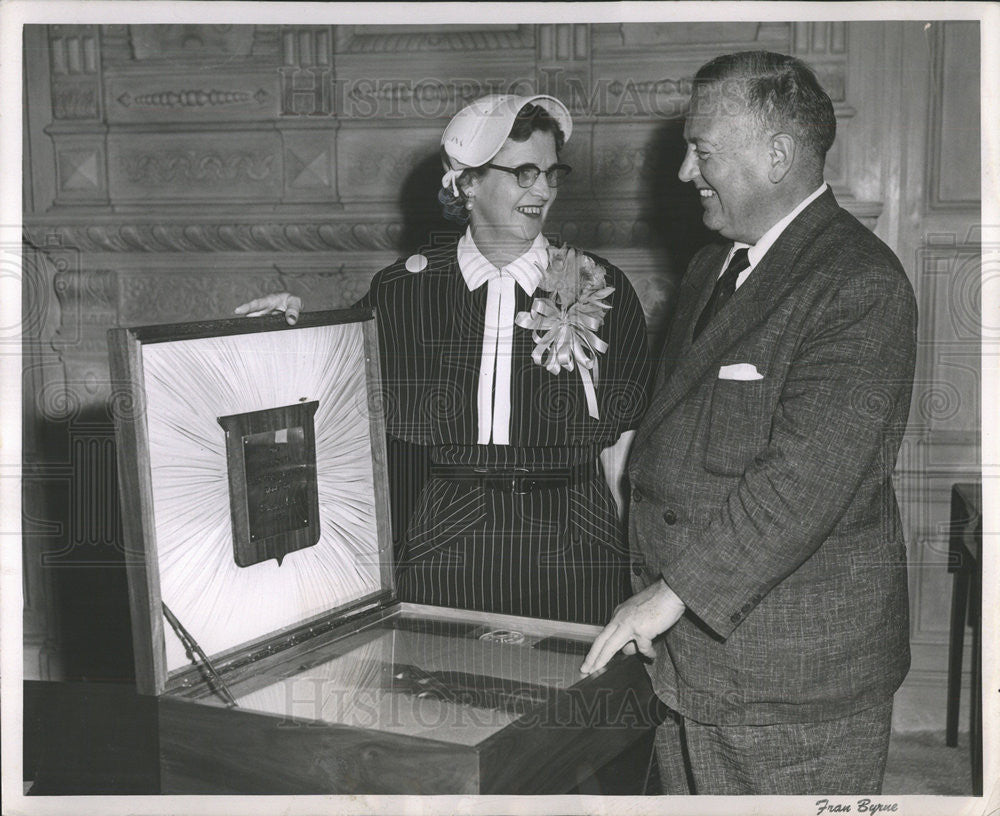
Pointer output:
x,y
763,519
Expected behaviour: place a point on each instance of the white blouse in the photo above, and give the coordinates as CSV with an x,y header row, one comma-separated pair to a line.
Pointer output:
x,y
493,401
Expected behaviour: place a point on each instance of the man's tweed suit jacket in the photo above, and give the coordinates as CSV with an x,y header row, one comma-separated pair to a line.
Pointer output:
x,y
767,504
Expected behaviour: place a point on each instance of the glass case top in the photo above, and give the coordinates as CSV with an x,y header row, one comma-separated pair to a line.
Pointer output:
x,y
451,680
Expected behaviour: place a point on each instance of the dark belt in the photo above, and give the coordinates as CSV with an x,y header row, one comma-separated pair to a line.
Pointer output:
x,y
516,480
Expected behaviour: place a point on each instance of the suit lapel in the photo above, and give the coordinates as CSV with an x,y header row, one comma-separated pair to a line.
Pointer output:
x,y
770,281
692,295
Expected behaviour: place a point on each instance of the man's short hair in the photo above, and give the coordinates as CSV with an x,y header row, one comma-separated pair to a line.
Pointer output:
x,y
778,90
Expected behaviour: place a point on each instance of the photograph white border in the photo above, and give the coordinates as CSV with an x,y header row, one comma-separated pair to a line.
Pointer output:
x,y
15,13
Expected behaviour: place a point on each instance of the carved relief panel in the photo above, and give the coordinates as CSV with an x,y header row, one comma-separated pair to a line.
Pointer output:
x,y
245,166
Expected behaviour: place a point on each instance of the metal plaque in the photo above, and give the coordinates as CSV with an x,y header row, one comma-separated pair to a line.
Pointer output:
x,y
274,501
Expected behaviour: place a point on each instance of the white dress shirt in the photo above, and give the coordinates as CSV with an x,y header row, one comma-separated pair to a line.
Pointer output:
x,y
493,401
757,251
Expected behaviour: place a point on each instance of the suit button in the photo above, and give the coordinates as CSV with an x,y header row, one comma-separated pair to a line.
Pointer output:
x,y
636,495
636,568
669,516
735,617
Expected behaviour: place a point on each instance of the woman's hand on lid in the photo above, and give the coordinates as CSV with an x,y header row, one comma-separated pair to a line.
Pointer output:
x,y
285,302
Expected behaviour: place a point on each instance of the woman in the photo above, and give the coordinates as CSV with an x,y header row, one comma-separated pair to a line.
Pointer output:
x,y
520,370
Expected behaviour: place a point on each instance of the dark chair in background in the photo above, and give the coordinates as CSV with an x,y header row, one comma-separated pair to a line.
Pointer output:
x,y
965,547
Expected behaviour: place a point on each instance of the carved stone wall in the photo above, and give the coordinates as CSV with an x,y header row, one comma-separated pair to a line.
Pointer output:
x,y
284,152
173,171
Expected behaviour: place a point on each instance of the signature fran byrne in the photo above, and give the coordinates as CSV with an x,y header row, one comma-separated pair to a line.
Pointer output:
x,y
859,806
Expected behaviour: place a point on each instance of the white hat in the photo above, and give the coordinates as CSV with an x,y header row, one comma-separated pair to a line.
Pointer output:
x,y
477,132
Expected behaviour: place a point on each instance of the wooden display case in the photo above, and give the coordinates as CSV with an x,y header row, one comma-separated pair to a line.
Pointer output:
x,y
261,588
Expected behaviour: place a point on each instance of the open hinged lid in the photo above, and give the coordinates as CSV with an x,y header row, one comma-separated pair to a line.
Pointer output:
x,y
251,459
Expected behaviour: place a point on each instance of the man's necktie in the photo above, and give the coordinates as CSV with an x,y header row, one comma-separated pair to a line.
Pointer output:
x,y
724,289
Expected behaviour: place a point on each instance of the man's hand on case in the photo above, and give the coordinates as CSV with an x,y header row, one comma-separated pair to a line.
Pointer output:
x,y
634,625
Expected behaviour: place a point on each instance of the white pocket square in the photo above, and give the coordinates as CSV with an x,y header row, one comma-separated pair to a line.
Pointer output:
x,y
740,371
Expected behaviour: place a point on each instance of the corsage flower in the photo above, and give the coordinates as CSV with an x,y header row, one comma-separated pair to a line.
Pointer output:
x,y
564,323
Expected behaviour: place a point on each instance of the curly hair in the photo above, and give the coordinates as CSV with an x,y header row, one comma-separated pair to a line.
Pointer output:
x,y
530,119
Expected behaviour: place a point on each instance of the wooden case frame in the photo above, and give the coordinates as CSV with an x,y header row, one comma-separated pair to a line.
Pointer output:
x,y
207,747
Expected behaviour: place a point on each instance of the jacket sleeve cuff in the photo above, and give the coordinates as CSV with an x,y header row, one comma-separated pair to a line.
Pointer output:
x,y
703,587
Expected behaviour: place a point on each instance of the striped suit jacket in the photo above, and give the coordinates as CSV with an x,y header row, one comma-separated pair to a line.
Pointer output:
x,y
767,505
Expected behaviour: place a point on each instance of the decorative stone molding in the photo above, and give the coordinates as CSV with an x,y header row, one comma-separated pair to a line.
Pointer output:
x,y
133,46
193,167
304,46
221,237
376,39
75,101
87,309
73,49
820,37
87,299
150,170
307,91
307,76
563,58
192,98
308,169
185,40
266,41
115,45
350,234
700,36
80,169
423,91
74,55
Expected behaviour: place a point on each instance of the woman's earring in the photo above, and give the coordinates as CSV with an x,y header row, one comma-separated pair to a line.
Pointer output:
x,y
468,203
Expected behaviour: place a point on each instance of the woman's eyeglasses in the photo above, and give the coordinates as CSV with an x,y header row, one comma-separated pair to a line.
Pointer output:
x,y
527,174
